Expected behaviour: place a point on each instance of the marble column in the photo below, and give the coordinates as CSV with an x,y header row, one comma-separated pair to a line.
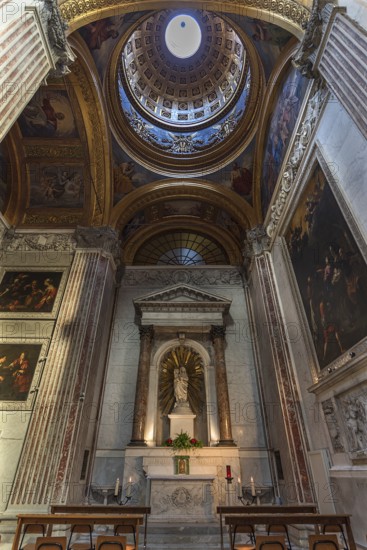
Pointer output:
x,y
50,463
217,334
142,386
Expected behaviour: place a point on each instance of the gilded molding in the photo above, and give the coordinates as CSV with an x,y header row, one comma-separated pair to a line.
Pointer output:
x,y
208,192
59,151
52,219
288,14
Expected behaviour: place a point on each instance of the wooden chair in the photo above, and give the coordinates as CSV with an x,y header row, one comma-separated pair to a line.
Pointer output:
x,y
50,543
280,528
249,530
270,542
111,543
81,529
31,529
126,529
323,542
336,529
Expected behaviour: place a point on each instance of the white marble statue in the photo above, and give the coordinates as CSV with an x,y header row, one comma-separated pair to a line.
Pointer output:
x,y
180,385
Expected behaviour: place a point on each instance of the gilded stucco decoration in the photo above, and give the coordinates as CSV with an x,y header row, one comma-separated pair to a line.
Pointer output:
x,y
288,14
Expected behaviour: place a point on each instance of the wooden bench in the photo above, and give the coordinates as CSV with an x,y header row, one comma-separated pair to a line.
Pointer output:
x,y
262,509
96,509
292,518
79,519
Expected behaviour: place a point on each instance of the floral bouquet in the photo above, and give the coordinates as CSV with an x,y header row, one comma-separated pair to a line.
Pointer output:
x,y
183,442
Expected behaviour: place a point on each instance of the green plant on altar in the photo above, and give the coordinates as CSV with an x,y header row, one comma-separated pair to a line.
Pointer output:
x,y
183,442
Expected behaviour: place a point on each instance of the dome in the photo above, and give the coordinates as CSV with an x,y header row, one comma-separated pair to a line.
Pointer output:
x,y
185,90
183,70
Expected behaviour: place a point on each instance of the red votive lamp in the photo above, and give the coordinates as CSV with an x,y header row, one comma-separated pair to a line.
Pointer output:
x,y
228,469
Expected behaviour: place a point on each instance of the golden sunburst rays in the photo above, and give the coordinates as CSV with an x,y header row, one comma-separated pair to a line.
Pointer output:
x,y
191,360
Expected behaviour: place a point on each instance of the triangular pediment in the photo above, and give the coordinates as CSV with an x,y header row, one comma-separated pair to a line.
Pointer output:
x,y
182,293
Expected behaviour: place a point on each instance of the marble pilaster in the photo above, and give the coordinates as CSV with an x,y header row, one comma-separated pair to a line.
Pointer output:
x,y
142,386
286,383
225,427
50,463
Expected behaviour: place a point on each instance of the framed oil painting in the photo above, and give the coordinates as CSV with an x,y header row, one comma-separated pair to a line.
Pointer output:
x,y
20,370
31,293
330,270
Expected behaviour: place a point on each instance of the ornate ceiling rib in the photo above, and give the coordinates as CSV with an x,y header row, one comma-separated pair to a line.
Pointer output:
x,y
288,14
208,192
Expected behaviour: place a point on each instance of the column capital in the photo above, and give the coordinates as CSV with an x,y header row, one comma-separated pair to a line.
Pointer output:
x,y
103,237
218,331
257,242
146,332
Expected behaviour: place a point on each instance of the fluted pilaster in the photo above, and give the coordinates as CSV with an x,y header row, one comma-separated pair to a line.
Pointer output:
x,y
142,386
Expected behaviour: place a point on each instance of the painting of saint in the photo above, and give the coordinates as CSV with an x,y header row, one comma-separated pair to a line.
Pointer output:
x,y
17,367
48,114
56,186
281,124
330,271
29,291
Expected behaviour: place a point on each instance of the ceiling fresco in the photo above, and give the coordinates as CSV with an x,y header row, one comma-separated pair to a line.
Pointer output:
x,y
134,117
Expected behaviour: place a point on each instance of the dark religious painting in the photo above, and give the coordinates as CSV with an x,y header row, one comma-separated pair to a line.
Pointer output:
x,y
286,107
18,363
56,186
330,271
49,114
29,291
5,179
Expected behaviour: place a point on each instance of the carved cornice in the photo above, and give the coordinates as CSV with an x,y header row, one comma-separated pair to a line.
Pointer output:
x,y
56,242
288,14
55,27
296,153
158,277
208,192
257,241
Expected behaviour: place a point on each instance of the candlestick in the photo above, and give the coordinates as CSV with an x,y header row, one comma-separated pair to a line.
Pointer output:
x,y
239,488
253,490
228,469
128,491
117,487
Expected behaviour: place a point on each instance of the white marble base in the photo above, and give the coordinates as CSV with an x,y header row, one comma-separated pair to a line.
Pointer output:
x,y
187,498
181,422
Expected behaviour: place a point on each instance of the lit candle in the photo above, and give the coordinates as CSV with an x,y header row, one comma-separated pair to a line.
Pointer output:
x,y
253,490
117,487
228,469
128,491
239,487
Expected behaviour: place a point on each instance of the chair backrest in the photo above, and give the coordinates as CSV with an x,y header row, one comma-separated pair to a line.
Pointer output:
x,y
111,543
128,528
50,543
323,542
32,529
270,542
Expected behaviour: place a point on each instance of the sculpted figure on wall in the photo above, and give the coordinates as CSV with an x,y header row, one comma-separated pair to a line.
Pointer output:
x,y
355,417
180,384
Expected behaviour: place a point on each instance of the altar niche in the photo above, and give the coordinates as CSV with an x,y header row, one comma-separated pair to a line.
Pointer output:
x,y
181,395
